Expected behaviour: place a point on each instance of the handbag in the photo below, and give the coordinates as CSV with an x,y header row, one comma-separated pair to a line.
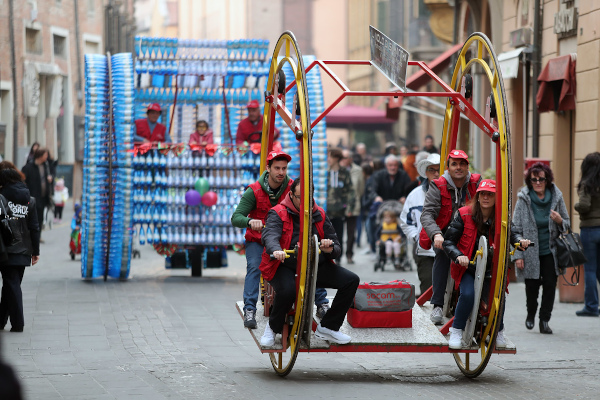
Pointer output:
x,y
7,225
569,250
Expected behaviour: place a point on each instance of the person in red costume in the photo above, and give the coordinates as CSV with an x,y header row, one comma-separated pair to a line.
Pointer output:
x,y
149,129
250,128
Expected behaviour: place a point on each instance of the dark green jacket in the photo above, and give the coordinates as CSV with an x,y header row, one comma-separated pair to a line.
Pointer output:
x,y
240,219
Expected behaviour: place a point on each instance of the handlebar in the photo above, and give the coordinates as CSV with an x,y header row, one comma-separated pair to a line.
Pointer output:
x,y
517,246
290,253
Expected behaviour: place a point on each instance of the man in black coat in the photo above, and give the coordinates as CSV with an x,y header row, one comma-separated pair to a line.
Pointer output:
x,y
39,181
391,183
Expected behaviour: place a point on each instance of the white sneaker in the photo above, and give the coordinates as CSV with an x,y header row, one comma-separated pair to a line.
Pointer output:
x,y
268,338
501,340
436,315
332,336
455,341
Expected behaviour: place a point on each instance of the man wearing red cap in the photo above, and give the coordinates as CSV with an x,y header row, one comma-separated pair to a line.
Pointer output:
x,y
149,129
250,129
445,195
268,191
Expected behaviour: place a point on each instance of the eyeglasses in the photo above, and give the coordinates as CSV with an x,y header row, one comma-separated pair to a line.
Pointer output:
x,y
538,180
433,170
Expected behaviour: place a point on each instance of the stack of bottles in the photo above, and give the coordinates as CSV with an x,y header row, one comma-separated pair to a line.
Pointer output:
x,y
161,214
94,232
123,93
192,73
319,139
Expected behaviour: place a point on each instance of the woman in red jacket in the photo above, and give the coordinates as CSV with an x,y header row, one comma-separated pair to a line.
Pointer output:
x,y
460,244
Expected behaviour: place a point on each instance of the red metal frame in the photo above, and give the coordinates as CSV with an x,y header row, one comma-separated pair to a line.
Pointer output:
x,y
458,99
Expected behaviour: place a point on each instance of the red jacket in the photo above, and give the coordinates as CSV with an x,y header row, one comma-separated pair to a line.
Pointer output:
x,y
143,130
263,205
196,138
466,243
445,215
248,132
269,266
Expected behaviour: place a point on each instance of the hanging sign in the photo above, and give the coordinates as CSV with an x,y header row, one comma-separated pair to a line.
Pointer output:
x,y
389,58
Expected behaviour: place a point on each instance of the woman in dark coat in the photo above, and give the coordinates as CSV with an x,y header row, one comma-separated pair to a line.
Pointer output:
x,y
17,202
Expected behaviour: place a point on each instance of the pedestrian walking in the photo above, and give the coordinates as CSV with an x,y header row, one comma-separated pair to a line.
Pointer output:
x,y
16,201
340,194
353,220
588,208
540,214
39,181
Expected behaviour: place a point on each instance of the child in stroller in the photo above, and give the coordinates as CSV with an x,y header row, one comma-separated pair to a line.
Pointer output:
x,y
75,243
392,243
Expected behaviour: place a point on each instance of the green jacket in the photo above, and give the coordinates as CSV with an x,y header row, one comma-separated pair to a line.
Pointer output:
x,y
340,193
588,208
240,219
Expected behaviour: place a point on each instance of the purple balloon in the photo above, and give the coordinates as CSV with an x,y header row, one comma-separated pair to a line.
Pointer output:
x,y
192,198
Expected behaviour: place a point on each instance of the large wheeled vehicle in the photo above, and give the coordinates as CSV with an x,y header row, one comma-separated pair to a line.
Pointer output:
x,y
424,336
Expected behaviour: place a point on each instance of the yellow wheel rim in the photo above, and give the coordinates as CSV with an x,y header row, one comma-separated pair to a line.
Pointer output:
x,y
287,51
479,46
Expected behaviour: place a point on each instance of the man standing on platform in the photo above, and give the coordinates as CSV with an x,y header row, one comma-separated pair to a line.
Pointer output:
x,y
444,197
149,129
268,191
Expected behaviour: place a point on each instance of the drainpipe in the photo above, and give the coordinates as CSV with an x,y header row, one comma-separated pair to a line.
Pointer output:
x,y
78,50
13,62
537,66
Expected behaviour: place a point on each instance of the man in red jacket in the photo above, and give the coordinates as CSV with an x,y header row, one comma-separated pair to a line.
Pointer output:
x,y
445,195
250,129
149,129
282,232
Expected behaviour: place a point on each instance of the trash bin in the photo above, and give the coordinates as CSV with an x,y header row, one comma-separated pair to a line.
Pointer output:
x,y
568,293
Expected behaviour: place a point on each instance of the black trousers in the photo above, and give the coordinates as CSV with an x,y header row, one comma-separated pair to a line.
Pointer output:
x,y
424,271
547,281
351,232
40,205
11,302
329,276
338,227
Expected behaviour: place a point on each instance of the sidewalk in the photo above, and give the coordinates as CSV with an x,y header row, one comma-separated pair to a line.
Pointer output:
x,y
163,334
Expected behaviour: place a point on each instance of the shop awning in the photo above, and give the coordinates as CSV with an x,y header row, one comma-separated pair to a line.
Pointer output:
x,y
557,85
509,63
343,117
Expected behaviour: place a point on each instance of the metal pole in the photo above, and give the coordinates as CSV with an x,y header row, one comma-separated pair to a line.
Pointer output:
x,y
13,64
537,61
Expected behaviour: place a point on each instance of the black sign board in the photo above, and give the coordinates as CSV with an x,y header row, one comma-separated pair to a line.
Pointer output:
x,y
388,57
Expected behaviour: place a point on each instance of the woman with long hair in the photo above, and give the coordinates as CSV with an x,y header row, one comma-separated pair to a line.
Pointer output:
x,y
472,221
17,202
34,147
540,215
588,208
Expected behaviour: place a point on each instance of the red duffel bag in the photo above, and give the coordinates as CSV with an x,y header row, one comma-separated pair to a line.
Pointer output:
x,y
382,305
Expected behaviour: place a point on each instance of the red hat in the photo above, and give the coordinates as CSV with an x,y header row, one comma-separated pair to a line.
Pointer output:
x,y
487,185
253,104
154,107
458,154
274,154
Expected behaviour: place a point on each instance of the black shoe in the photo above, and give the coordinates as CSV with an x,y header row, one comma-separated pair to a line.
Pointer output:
x,y
585,313
16,329
544,328
250,319
529,323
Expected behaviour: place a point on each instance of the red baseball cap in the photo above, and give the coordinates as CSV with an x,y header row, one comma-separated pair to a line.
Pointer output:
x,y
274,154
154,107
253,104
458,154
487,185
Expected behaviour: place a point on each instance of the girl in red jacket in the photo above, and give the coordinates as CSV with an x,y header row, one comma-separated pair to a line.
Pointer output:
x,y
460,244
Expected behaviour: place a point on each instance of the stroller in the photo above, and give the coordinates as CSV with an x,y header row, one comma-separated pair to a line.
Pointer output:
x,y
75,243
401,262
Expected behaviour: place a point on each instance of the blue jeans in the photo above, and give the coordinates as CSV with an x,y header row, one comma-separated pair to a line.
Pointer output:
x,y
254,252
466,300
439,277
590,239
